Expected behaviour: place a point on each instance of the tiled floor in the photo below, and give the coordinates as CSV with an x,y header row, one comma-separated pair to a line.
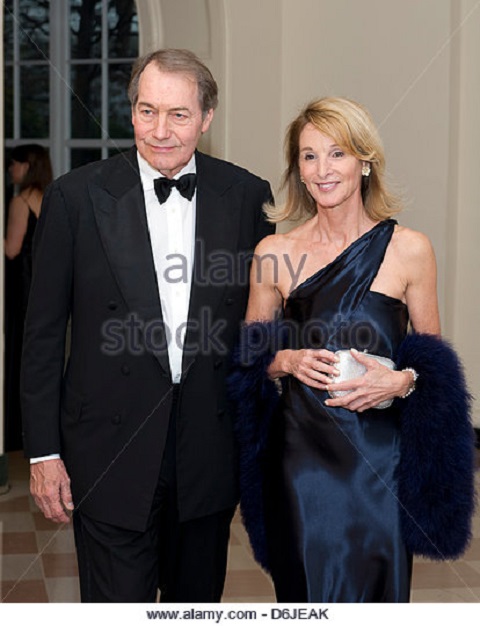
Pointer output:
x,y
37,560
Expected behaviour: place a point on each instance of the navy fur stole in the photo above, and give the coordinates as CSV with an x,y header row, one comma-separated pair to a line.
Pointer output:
x,y
255,397
436,470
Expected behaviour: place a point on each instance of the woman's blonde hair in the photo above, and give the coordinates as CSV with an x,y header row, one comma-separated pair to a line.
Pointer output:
x,y
351,127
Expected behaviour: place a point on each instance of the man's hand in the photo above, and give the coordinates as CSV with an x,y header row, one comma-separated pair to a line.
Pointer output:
x,y
50,488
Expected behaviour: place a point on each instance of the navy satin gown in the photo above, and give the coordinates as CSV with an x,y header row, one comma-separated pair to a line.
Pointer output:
x,y
332,513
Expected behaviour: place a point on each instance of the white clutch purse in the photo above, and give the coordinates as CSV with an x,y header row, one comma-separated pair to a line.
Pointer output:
x,y
350,368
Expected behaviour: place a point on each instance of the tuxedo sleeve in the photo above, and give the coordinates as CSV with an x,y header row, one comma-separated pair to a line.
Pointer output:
x,y
46,322
264,228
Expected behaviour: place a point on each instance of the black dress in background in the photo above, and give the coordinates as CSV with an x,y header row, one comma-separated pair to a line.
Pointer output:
x,y
332,511
18,276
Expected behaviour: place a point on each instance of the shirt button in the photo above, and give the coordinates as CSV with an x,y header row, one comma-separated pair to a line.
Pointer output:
x,y
112,305
116,420
125,369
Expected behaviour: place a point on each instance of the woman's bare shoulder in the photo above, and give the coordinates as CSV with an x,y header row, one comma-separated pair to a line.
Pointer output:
x,y
277,243
19,203
411,245
269,245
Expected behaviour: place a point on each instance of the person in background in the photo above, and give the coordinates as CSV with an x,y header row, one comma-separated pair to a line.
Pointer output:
x,y
357,472
30,172
135,435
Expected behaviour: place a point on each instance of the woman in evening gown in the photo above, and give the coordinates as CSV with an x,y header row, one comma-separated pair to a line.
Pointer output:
x,y
349,277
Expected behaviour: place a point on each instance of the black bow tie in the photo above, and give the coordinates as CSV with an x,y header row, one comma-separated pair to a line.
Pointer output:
x,y
185,185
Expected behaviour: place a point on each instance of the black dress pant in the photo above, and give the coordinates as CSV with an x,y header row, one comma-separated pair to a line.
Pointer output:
x,y
187,561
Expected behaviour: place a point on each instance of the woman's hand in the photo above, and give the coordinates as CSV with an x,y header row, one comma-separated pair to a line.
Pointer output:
x,y
379,383
312,367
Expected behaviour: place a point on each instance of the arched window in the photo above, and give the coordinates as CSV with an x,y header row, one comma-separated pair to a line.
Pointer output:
x,y
67,66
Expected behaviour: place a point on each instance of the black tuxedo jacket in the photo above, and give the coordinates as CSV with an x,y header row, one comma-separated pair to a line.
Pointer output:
x,y
107,412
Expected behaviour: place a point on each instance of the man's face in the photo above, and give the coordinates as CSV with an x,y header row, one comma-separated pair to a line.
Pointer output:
x,y
167,119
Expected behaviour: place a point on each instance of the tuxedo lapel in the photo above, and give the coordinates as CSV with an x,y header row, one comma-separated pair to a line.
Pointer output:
x,y
119,208
216,236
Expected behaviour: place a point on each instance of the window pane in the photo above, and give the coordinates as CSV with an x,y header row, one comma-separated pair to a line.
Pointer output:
x,y
82,156
122,29
34,116
120,124
115,151
8,30
34,29
86,29
86,101
8,95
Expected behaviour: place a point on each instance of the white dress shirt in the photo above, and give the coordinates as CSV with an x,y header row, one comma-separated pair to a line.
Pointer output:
x,y
172,235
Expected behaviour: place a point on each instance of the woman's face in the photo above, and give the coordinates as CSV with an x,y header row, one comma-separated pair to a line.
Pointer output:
x,y
332,177
17,171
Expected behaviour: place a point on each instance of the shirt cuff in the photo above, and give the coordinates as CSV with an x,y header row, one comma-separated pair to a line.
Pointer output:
x,y
39,459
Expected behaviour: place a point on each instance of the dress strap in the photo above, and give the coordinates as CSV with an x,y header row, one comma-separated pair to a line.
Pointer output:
x,y
336,291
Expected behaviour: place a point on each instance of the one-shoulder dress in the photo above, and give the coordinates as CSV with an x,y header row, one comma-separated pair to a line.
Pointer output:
x,y
332,514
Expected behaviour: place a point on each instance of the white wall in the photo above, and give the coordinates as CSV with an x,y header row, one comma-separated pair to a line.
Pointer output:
x,y
254,79
463,287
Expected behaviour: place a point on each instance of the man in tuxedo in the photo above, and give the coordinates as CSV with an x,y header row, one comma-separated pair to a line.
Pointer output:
x,y
147,252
